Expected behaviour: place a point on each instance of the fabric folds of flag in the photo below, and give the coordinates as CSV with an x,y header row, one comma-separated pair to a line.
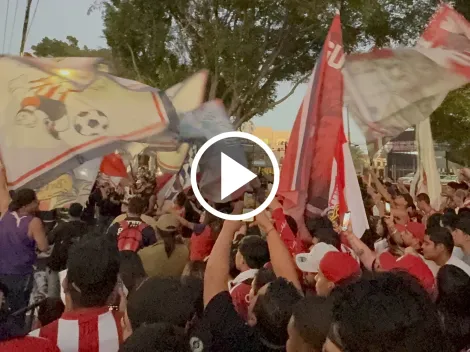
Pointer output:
x,y
316,176
390,90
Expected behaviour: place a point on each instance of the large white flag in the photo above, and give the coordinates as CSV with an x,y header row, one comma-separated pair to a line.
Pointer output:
x,y
390,90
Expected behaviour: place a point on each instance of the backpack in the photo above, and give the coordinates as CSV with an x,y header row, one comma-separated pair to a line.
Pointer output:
x,y
130,237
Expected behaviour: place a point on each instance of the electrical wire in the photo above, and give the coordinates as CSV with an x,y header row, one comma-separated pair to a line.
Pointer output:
x,y
5,29
32,20
13,26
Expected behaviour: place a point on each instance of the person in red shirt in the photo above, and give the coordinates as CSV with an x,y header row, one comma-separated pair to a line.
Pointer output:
x,y
28,343
204,235
87,324
252,254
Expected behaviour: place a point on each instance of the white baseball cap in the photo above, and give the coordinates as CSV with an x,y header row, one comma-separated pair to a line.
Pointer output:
x,y
310,262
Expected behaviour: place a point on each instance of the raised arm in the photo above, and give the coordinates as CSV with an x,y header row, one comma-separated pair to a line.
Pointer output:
x,y
37,232
218,265
380,187
364,253
292,242
281,259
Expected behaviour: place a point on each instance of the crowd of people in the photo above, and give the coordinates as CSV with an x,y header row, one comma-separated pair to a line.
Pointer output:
x,y
173,277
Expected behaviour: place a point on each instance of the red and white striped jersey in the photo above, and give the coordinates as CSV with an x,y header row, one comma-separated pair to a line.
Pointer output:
x,y
85,330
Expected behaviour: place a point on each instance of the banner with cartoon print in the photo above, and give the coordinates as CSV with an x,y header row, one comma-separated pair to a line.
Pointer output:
x,y
57,114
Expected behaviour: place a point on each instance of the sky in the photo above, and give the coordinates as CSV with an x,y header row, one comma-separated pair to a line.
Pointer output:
x,y
61,18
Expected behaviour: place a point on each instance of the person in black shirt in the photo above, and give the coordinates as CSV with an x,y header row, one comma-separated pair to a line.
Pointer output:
x,y
222,329
109,203
135,209
64,235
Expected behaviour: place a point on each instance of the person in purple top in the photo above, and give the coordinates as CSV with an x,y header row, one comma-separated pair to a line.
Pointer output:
x,y
20,233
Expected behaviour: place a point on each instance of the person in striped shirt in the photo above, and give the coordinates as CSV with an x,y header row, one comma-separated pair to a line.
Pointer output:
x,y
87,323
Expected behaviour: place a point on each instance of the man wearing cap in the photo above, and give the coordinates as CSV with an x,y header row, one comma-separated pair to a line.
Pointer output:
x,y
309,263
335,269
461,236
410,263
131,224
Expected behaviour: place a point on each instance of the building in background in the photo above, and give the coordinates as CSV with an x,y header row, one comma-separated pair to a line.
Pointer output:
x,y
276,140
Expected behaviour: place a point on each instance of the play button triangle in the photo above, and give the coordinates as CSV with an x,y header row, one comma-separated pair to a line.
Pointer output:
x,y
233,176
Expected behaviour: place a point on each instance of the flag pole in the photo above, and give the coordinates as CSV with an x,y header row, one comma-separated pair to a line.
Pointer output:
x,y
25,26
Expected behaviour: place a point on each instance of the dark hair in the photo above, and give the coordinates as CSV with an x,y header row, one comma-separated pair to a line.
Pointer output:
x,y
316,223
136,205
328,236
385,312
253,231
312,319
22,198
423,197
75,210
170,240
131,269
292,224
159,337
93,267
263,276
180,199
50,310
195,269
441,235
255,251
453,286
449,218
274,309
161,300
435,220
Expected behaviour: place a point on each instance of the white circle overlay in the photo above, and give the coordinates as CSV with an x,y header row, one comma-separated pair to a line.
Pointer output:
x,y
262,145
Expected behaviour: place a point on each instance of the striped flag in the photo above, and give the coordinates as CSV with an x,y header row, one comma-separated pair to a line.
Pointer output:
x,y
318,175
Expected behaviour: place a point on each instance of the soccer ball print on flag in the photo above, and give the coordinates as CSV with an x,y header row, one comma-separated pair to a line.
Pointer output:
x,y
59,113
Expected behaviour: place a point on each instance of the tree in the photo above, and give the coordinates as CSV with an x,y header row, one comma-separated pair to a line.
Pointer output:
x,y
70,48
248,46
359,158
451,121
451,125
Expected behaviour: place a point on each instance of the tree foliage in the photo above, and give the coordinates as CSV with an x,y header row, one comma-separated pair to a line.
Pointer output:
x,y
70,48
451,121
249,46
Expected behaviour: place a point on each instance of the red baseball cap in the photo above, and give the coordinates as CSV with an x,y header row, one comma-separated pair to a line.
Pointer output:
x,y
337,266
413,264
417,229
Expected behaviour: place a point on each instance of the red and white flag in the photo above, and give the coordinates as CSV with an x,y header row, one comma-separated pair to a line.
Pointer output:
x,y
318,174
112,169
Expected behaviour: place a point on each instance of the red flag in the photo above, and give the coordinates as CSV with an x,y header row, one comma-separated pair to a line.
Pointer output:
x,y
316,173
112,165
312,143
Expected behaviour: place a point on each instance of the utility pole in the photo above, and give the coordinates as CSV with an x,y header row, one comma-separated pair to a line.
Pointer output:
x,y
25,26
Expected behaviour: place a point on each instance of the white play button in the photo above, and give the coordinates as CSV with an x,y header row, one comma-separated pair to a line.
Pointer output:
x,y
223,158
233,176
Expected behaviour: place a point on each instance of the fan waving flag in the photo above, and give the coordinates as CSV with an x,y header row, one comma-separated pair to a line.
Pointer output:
x,y
112,169
316,175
